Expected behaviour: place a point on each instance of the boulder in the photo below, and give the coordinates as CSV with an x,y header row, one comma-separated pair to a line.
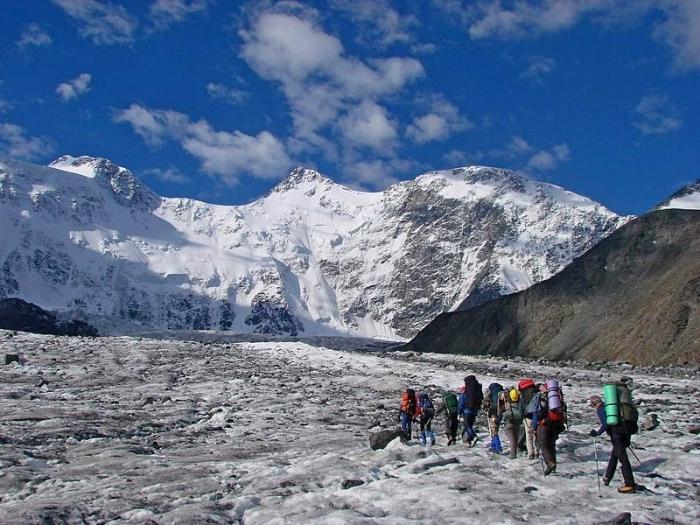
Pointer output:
x,y
350,483
651,422
379,440
11,358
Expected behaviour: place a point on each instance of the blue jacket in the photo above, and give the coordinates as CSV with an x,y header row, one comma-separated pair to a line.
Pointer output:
x,y
603,420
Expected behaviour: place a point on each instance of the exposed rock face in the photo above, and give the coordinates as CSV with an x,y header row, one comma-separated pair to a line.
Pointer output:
x,y
16,314
310,258
634,297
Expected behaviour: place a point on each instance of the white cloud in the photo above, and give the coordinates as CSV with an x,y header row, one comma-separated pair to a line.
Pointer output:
x,y
33,36
102,22
165,13
442,120
374,174
655,115
170,174
681,32
679,28
15,143
378,23
368,124
455,158
538,68
228,155
547,160
325,88
232,96
75,87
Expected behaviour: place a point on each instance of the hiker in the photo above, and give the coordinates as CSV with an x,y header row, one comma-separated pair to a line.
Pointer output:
x,y
620,439
408,411
427,411
527,389
469,404
493,409
449,406
547,422
512,412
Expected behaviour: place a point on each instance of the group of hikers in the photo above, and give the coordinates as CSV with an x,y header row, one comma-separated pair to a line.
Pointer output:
x,y
532,416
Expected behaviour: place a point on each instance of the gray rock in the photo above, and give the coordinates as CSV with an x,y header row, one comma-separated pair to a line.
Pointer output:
x,y
651,422
694,429
350,483
379,440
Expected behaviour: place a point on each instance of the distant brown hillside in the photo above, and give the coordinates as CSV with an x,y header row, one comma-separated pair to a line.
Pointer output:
x,y
633,297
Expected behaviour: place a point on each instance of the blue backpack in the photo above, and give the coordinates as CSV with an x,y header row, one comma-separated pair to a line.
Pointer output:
x,y
426,404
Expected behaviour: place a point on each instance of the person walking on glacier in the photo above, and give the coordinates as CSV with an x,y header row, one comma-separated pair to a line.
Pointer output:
x,y
409,409
449,406
547,424
470,401
512,413
620,439
527,389
427,411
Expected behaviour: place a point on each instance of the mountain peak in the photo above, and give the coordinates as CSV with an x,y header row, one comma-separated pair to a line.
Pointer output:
x,y
301,176
687,198
123,183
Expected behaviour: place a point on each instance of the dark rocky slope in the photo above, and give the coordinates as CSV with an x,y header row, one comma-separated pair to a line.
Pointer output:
x,y
633,297
17,314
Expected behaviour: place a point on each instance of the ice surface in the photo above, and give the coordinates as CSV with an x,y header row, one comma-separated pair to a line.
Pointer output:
x,y
129,430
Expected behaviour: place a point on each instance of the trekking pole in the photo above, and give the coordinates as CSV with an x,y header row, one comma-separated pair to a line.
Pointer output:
x,y
635,455
597,470
539,454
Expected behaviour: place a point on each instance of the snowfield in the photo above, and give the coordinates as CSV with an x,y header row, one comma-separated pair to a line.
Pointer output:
x,y
128,430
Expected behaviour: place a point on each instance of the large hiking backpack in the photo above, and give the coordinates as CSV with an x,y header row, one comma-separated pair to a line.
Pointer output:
x,y
628,411
494,390
408,402
556,408
512,406
450,400
474,394
426,405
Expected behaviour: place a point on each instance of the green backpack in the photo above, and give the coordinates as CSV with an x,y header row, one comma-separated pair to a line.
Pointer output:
x,y
450,400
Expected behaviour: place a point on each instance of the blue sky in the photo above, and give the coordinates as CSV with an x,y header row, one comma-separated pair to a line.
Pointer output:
x,y
217,100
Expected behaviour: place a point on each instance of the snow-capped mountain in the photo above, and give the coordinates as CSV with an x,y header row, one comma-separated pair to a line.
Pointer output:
x,y
687,198
312,257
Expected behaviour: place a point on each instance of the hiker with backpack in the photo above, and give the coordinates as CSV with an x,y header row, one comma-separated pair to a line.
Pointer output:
x,y
427,411
527,389
548,415
512,412
469,404
619,422
492,407
408,412
449,406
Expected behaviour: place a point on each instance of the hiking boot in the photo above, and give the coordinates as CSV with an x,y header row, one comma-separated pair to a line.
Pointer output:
x,y
531,457
627,489
550,468
606,481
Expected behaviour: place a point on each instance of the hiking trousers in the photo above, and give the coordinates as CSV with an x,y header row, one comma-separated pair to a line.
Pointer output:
x,y
426,421
529,437
494,425
512,429
547,439
469,419
451,424
619,452
406,424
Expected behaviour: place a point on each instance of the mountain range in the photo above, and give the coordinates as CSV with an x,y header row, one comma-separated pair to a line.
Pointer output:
x,y
634,297
85,237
